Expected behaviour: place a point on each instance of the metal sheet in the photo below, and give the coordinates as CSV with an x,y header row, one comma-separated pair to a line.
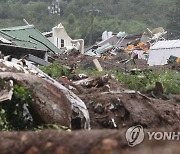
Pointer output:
x,y
28,37
160,57
166,44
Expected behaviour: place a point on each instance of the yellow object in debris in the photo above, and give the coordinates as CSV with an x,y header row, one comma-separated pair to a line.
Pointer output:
x,y
177,60
104,57
98,65
129,47
141,45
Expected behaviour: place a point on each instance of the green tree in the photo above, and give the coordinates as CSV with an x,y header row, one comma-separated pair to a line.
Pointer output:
x,y
71,18
173,25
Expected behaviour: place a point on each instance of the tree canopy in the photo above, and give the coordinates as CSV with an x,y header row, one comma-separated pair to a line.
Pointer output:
x,y
132,16
173,25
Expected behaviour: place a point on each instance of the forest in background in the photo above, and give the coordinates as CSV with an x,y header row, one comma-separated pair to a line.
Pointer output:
x,y
131,16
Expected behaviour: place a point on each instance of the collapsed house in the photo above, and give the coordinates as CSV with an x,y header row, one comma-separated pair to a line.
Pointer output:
x,y
59,37
161,51
119,40
111,43
151,47
26,41
84,101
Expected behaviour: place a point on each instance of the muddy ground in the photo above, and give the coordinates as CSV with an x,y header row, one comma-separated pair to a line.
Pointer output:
x,y
117,62
110,63
80,142
110,105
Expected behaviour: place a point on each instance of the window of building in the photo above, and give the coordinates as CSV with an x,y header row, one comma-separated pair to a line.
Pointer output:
x,y
62,43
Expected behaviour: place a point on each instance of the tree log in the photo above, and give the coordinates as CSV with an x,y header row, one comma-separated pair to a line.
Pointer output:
x,y
80,142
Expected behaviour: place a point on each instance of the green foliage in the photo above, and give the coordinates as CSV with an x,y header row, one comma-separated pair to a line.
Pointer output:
x,y
173,17
4,125
146,80
51,126
71,18
14,114
56,70
22,93
132,16
142,81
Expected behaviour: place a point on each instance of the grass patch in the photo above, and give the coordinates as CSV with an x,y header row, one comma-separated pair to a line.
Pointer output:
x,y
142,81
146,80
55,70
139,81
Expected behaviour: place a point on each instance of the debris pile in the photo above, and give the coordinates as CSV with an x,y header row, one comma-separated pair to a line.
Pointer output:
x,y
52,103
135,46
115,84
113,106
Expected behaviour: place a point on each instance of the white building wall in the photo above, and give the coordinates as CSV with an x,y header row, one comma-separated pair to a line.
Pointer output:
x,y
59,34
160,57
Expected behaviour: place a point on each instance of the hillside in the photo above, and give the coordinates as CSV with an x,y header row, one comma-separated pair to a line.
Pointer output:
x,y
132,16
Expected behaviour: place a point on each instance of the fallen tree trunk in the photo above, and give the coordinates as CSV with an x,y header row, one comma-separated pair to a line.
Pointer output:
x,y
89,142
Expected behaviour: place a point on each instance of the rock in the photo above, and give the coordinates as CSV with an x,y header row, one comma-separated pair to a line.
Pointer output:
x,y
99,108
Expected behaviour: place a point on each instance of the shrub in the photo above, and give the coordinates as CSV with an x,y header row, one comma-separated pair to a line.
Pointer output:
x,y
56,70
14,114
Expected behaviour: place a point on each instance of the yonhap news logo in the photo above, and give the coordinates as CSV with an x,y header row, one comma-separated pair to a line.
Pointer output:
x,y
135,135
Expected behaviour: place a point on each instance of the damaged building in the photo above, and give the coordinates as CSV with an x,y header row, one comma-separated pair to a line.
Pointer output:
x,y
24,41
60,38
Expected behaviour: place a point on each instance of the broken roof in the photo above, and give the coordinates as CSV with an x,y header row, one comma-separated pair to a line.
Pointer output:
x,y
166,44
28,37
119,42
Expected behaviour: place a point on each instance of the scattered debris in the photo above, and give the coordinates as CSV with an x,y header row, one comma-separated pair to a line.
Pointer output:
x,y
84,101
37,60
5,93
98,108
97,64
44,88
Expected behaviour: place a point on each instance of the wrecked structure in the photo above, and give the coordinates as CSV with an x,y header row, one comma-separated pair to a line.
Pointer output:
x,y
28,42
150,47
52,103
161,51
82,100
59,37
24,40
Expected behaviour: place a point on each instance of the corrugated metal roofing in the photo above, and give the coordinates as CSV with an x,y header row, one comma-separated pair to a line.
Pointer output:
x,y
166,44
28,37
3,40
